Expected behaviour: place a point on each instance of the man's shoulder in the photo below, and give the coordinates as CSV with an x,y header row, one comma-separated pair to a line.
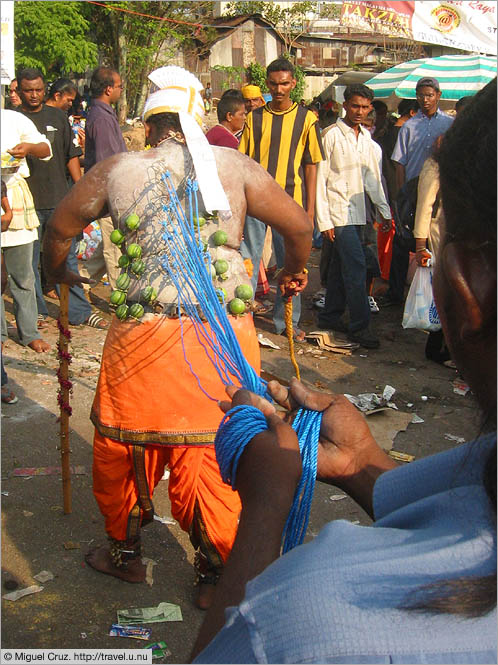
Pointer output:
x,y
330,131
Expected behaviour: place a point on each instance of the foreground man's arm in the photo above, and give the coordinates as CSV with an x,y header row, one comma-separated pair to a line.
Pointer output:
x,y
348,458
267,476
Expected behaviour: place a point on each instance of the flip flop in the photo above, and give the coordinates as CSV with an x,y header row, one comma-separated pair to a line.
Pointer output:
x,y
298,335
96,321
41,323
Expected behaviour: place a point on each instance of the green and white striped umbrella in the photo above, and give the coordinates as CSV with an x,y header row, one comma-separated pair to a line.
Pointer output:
x,y
458,76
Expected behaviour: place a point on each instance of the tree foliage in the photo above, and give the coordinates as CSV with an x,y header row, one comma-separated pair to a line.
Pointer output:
x,y
137,43
233,75
52,37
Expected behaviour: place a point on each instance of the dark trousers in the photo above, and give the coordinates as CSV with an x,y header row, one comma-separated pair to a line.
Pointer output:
x,y
399,268
346,279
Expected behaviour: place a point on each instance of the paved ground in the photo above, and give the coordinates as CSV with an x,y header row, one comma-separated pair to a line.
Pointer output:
x,y
77,607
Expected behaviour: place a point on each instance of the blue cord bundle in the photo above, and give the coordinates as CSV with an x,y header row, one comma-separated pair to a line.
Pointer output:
x,y
187,264
188,267
238,428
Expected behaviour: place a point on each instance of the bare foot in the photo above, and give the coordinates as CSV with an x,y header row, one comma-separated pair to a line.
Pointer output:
x,y
205,596
40,346
100,559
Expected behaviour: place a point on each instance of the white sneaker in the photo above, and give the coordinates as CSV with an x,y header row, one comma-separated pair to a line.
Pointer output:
x,y
374,308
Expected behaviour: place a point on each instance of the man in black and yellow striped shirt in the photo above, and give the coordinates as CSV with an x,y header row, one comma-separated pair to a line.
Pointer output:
x,y
284,138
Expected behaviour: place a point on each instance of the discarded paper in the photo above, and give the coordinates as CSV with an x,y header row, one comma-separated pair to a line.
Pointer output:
x,y
71,545
337,497
264,341
20,593
135,632
327,341
149,565
163,612
460,387
44,576
416,419
453,437
159,649
165,520
401,457
370,402
386,423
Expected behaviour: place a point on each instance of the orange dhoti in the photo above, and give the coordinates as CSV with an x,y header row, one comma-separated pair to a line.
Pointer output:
x,y
150,413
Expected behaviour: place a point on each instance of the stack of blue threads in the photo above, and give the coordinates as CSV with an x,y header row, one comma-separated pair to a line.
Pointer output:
x,y
188,267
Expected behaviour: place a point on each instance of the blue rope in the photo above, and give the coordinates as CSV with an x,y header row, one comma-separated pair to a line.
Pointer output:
x,y
244,422
188,266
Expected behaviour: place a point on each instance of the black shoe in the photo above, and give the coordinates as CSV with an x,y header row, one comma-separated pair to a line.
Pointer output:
x,y
386,301
338,326
365,338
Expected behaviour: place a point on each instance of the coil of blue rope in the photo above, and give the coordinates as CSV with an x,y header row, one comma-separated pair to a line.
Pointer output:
x,y
238,428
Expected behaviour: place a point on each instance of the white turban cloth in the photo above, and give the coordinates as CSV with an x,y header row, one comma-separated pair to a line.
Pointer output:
x,y
178,91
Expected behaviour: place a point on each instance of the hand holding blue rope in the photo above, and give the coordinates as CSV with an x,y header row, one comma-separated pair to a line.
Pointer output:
x,y
239,426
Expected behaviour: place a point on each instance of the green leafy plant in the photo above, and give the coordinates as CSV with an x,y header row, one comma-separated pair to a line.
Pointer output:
x,y
233,75
256,74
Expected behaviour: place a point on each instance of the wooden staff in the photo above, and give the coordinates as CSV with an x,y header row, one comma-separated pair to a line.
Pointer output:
x,y
64,393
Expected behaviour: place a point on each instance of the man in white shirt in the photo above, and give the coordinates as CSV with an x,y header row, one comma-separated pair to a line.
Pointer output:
x,y
19,138
350,169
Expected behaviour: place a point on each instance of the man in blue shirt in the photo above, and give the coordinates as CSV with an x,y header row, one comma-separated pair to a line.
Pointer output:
x,y
103,138
414,145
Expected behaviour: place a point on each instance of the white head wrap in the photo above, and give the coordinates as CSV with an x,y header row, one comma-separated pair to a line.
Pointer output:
x,y
178,91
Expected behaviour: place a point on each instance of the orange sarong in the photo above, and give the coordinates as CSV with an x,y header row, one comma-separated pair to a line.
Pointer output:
x,y
147,395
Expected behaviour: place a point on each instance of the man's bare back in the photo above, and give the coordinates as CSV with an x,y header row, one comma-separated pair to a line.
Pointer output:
x,y
133,182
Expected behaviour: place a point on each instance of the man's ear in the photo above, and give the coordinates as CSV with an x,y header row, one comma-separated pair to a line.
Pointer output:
x,y
294,83
471,274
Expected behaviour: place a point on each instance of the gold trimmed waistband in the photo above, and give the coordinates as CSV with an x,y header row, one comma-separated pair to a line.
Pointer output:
x,y
152,438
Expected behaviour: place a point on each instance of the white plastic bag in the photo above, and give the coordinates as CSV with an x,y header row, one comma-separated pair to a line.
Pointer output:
x,y
420,308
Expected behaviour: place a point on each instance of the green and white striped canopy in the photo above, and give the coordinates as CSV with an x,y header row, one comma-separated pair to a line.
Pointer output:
x,y
458,76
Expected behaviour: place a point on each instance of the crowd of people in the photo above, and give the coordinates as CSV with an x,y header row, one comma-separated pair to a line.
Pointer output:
x,y
429,560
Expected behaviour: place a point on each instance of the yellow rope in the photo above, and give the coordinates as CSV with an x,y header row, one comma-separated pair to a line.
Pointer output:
x,y
290,335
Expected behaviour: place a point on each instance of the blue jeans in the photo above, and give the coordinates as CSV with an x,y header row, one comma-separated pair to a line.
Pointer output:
x,y
346,281
79,307
18,264
252,245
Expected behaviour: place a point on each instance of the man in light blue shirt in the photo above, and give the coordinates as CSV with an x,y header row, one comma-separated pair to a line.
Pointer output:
x,y
414,145
416,137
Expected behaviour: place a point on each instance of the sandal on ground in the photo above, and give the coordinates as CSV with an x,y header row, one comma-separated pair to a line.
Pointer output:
x,y
298,335
41,322
96,321
8,397
259,309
